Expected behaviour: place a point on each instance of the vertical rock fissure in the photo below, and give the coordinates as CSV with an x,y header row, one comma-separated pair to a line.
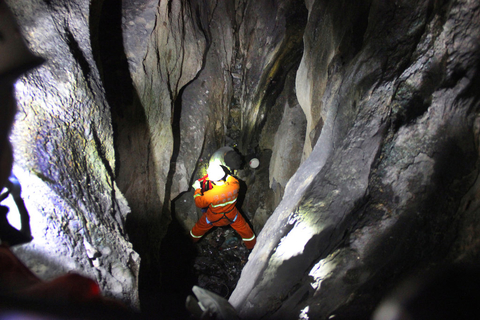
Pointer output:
x,y
131,136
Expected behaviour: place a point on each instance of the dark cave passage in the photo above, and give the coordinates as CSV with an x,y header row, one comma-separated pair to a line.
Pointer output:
x,y
167,297
214,263
158,294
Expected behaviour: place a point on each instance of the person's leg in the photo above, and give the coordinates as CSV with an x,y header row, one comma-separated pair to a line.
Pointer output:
x,y
200,228
244,230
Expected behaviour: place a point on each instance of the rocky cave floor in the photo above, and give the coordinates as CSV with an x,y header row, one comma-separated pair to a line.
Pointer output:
x,y
221,256
214,263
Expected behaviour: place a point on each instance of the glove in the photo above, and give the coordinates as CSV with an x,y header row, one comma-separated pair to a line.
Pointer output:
x,y
196,185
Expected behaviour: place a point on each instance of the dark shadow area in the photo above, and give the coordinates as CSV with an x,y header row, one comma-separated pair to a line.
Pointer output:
x,y
448,292
8,233
174,272
77,53
176,114
241,193
166,272
144,225
255,191
177,254
423,236
109,53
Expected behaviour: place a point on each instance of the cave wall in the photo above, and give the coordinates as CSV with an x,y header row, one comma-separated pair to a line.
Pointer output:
x,y
164,50
389,96
251,48
152,90
204,107
273,125
363,115
64,156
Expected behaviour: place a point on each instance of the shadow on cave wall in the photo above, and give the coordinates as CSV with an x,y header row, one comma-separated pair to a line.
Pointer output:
x,y
166,272
177,275
423,237
177,251
161,282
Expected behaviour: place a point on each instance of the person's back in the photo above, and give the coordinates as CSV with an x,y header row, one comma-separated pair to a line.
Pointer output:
x,y
221,198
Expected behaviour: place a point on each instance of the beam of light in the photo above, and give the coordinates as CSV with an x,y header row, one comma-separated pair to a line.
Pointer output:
x,y
322,270
294,242
389,310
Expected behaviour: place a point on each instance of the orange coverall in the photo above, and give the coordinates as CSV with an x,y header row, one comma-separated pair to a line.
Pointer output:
x,y
221,200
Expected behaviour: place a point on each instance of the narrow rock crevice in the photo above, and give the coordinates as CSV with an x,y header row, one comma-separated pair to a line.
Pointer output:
x,y
363,114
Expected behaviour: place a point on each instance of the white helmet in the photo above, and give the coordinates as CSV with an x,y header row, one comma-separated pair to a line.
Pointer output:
x,y
215,172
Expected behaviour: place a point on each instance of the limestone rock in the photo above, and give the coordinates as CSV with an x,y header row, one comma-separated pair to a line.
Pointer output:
x,y
64,152
379,196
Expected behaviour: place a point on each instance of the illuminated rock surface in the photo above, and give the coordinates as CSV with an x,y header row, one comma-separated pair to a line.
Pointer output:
x,y
388,188
65,157
371,106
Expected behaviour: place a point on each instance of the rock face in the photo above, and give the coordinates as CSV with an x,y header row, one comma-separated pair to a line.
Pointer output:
x,y
65,157
386,188
363,115
252,46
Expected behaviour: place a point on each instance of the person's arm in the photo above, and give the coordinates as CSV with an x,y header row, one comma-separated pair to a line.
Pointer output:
x,y
201,200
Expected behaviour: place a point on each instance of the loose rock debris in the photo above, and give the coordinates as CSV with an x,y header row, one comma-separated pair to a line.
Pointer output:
x,y
221,256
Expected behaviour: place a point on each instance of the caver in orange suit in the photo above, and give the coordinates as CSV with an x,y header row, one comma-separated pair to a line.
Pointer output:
x,y
221,200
